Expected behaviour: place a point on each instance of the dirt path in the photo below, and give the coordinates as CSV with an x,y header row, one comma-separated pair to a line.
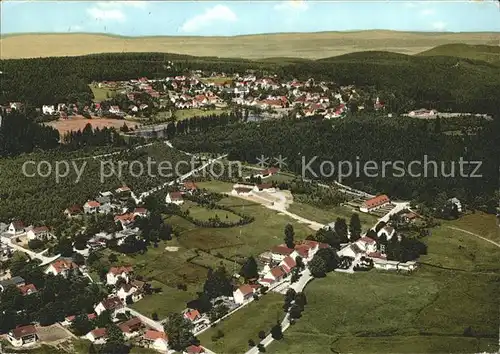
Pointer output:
x,y
473,234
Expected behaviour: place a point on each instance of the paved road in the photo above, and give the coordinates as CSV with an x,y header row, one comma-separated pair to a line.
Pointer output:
x,y
45,260
298,286
398,207
180,179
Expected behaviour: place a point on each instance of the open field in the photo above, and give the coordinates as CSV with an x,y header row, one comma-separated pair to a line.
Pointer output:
x,y
328,215
299,45
182,114
216,186
78,123
101,94
240,242
480,223
245,324
216,79
425,312
201,213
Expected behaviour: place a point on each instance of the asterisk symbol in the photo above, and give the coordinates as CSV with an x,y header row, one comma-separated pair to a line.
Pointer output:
x,y
280,161
262,161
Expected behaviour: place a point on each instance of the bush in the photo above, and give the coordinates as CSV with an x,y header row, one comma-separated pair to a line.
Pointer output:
x,y
36,244
262,334
251,343
261,348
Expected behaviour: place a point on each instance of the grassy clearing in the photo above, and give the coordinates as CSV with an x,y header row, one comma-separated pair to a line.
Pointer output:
x,y
182,114
169,300
240,242
245,324
216,186
327,215
101,94
217,80
480,223
425,312
201,213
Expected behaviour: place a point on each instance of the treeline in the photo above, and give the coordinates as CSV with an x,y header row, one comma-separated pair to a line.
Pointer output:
x,y
307,144
18,135
75,140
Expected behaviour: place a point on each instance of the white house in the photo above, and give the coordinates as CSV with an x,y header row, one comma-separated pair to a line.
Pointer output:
x,y
352,251
367,244
456,202
91,207
110,304
116,273
40,233
61,267
385,264
243,294
388,231
127,290
174,198
276,274
23,336
114,109
16,228
156,340
131,327
242,191
48,109
97,335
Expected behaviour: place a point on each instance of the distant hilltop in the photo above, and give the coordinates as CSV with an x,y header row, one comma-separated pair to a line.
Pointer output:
x,y
291,45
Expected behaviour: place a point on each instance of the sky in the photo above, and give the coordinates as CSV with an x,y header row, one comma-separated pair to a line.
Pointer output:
x,y
230,18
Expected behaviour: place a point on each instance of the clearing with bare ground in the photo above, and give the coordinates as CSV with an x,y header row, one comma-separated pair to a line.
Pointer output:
x,y
298,45
78,123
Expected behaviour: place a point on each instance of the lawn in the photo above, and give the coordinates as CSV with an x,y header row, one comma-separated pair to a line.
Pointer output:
x,y
201,213
182,114
101,94
216,186
480,223
328,215
245,324
424,312
265,231
168,301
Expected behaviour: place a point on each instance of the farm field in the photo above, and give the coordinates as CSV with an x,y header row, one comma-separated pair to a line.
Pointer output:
x,y
201,213
182,114
303,45
76,123
425,312
245,324
216,186
328,215
216,80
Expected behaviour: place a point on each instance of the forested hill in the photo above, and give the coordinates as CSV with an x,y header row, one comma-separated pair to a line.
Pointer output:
x,y
373,139
444,83
486,53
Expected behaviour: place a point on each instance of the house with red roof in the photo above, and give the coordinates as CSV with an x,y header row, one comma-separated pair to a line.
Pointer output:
x,y
61,267
278,253
91,207
174,198
192,315
115,273
141,212
69,319
189,186
23,336
287,264
127,290
156,340
27,289
374,203
97,335
73,211
243,294
195,349
274,275
131,327
270,171
367,244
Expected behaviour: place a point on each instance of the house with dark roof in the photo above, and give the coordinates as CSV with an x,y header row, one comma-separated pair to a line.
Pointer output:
x,y
16,228
16,281
131,327
110,304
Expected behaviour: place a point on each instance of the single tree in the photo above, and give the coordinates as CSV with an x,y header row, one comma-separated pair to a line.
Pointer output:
x,y
179,331
250,270
341,230
318,266
289,236
355,227
277,332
